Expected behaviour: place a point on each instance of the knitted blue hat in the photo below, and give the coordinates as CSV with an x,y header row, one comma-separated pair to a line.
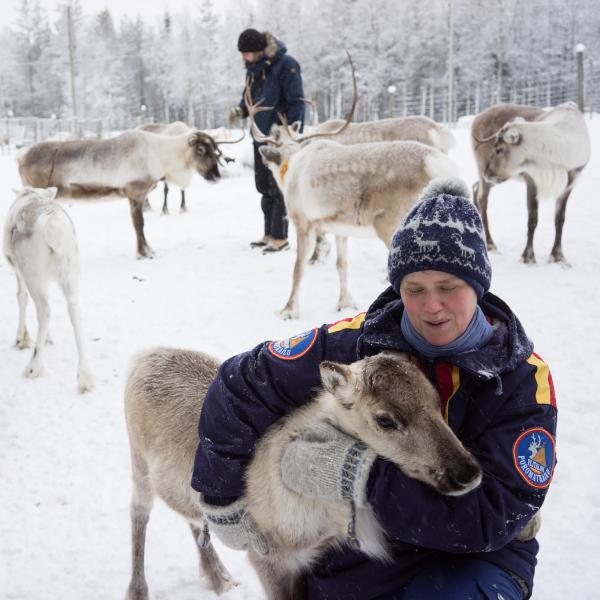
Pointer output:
x,y
443,232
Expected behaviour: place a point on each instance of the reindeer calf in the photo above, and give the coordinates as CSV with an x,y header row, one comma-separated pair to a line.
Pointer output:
x,y
40,245
384,400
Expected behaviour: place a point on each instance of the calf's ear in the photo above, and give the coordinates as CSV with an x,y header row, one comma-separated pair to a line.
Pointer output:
x,y
338,380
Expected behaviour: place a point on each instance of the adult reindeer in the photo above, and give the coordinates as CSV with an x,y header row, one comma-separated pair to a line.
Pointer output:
x,y
357,190
177,128
548,149
413,128
163,398
129,165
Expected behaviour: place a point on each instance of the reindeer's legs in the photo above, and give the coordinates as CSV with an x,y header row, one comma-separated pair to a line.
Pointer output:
x,y
481,192
321,251
39,295
278,584
141,505
345,300
23,339
305,235
210,563
84,375
183,207
528,255
137,216
165,208
556,255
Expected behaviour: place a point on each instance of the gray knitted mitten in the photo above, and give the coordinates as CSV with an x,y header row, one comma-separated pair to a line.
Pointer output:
x,y
326,463
234,526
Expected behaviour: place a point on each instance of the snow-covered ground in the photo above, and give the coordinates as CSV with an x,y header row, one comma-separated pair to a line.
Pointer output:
x,y
64,459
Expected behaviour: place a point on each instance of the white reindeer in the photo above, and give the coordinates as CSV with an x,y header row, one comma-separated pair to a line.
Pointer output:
x,y
548,149
40,245
464,250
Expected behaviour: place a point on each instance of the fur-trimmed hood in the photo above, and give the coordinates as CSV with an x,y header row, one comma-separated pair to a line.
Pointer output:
x,y
274,46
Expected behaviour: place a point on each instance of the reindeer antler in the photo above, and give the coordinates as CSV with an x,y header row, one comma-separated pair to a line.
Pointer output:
x,y
232,141
303,138
254,108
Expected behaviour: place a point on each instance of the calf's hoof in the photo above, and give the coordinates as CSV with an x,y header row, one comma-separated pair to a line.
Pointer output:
x,y
288,314
23,342
33,371
85,382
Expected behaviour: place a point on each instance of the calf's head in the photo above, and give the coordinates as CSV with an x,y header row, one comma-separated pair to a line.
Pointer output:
x,y
387,402
204,154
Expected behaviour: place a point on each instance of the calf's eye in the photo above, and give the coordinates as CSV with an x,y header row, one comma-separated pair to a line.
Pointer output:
x,y
385,422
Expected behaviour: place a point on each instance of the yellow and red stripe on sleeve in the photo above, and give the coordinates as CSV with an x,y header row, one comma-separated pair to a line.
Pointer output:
x,y
543,379
349,323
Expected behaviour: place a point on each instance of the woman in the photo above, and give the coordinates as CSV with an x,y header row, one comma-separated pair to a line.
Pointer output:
x,y
495,393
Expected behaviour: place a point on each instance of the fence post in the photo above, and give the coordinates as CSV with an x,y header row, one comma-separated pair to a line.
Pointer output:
x,y
591,86
579,50
404,93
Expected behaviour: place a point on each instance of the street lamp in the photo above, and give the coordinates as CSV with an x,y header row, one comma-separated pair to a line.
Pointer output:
x,y
143,109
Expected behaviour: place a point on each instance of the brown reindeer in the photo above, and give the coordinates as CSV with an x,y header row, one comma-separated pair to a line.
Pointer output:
x,y
548,149
163,400
129,165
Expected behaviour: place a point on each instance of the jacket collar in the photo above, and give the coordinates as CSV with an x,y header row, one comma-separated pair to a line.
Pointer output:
x,y
508,347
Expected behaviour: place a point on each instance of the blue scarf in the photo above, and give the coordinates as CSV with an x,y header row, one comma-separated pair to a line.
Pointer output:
x,y
476,335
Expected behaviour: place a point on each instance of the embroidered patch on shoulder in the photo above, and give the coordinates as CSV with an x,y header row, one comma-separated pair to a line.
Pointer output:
x,y
533,455
294,347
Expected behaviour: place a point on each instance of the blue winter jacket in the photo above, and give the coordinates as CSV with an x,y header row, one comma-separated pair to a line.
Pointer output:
x,y
499,401
277,81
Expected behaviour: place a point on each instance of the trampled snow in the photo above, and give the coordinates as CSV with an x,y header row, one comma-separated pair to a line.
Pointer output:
x,y
64,459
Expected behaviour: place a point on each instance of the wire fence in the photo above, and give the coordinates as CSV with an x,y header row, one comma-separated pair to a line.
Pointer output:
x,y
429,99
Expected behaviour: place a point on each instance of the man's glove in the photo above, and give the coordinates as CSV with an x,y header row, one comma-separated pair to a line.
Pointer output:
x,y
326,463
234,526
235,114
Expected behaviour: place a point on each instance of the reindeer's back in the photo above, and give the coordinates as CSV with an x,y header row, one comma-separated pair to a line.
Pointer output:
x,y
164,393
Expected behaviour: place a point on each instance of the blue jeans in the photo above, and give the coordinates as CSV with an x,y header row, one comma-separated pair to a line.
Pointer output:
x,y
460,578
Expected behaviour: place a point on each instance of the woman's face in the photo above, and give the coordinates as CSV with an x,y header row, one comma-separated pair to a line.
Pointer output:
x,y
440,306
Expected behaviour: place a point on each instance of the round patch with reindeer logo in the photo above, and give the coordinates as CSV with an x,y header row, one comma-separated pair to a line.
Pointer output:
x,y
533,455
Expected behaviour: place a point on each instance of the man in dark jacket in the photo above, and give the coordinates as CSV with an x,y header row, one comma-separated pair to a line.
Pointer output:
x,y
496,394
273,77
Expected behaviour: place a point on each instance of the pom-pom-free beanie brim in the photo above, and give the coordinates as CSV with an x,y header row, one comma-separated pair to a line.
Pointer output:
x,y
251,40
443,232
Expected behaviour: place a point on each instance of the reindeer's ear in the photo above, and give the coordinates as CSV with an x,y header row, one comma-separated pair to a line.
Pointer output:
x,y
270,154
295,126
336,379
50,193
193,139
511,136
